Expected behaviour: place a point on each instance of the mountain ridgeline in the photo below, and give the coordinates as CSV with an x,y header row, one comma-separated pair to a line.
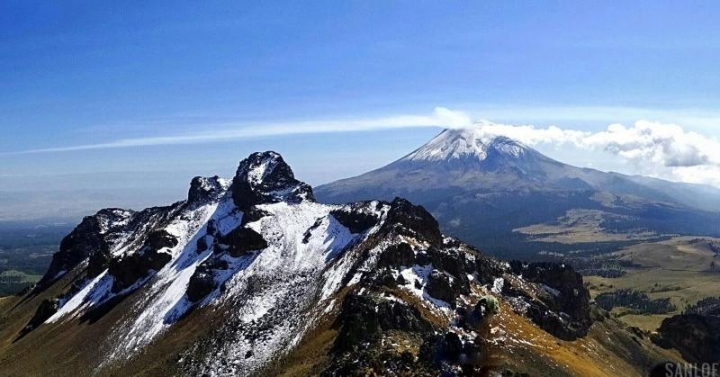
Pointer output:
x,y
482,188
251,276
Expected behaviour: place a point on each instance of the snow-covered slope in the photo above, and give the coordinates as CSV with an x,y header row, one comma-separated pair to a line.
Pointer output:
x,y
213,253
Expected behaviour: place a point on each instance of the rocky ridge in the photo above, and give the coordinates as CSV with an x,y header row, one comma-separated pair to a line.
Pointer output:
x,y
258,269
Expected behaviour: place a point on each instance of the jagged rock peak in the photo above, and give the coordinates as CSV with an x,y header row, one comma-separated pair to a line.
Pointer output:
x,y
259,166
416,220
207,188
474,142
89,237
264,177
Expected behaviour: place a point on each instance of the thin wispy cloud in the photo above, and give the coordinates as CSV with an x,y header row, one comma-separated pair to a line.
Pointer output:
x,y
657,149
440,117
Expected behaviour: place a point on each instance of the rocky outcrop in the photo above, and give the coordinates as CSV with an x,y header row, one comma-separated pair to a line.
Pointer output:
x,y
364,318
264,177
563,308
696,337
91,237
128,270
443,286
45,310
153,256
206,189
356,216
397,255
244,240
413,220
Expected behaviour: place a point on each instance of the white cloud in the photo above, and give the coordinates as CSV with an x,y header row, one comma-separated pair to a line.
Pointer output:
x,y
651,148
704,174
529,134
665,144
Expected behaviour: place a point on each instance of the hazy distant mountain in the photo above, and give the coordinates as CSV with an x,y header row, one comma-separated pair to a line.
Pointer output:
x,y
251,276
481,187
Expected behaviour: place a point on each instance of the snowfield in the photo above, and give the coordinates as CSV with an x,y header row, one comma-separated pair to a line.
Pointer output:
x,y
464,143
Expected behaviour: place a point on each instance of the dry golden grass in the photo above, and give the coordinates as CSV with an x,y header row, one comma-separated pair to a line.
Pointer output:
x,y
581,225
676,254
606,351
677,269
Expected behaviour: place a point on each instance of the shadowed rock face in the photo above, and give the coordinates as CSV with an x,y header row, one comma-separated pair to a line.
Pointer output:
x,y
242,241
565,311
264,177
363,319
696,337
354,218
205,189
414,220
445,287
90,238
45,310
130,269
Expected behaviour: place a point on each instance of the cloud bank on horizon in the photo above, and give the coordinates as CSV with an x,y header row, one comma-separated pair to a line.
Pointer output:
x,y
654,149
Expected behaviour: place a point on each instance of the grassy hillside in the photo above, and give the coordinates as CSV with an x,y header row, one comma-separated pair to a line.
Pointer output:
x,y
684,270
13,281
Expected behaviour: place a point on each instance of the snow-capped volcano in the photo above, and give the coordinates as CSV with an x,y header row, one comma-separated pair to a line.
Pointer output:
x,y
482,186
466,143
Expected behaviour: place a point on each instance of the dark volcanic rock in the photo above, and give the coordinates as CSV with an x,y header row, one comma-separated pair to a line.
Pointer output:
x,y
160,239
556,324
452,346
152,256
88,239
202,282
203,243
396,256
200,285
353,218
444,287
205,189
566,315
449,260
98,262
363,318
157,259
697,337
128,270
415,220
244,240
486,270
264,177
45,310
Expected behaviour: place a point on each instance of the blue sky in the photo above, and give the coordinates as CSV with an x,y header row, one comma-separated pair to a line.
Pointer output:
x,y
81,73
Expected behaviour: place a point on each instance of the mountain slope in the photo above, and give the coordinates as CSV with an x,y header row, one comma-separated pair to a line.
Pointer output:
x,y
252,276
482,187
